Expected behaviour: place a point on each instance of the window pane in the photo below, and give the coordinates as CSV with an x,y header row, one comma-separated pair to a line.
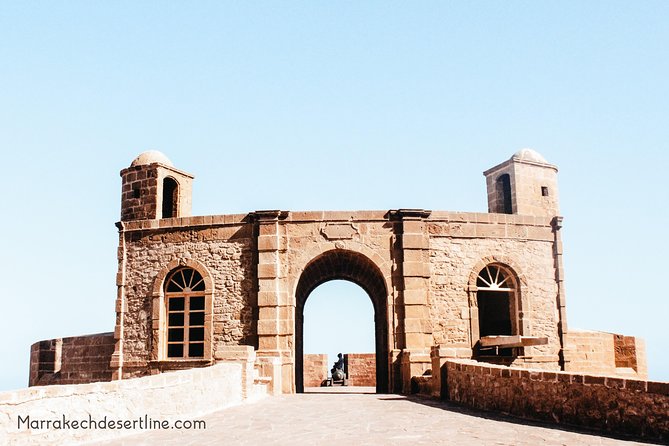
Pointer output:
x,y
494,313
176,350
175,334
196,334
176,320
198,283
176,303
197,303
188,275
172,286
196,318
196,350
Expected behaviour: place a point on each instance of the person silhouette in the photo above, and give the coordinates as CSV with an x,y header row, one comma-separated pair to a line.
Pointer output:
x,y
340,364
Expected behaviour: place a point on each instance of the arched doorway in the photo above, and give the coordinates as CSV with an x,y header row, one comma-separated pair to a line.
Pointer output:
x,y
339,318
356,268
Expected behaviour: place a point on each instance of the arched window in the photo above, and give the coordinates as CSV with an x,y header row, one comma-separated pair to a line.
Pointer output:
x,y
185,310
170,197
496,299
503,190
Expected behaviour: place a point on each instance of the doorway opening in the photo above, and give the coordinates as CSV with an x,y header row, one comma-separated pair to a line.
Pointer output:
x,y
339,319
351,271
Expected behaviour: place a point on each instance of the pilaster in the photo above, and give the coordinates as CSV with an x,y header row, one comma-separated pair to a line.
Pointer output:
x,y
559,278
415,325
275,305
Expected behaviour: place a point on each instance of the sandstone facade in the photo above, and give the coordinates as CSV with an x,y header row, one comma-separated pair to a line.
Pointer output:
x,y
443,284
315,369
361,369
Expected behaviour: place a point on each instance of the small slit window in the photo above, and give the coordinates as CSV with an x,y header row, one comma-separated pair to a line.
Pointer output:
x,y
185,301
544,191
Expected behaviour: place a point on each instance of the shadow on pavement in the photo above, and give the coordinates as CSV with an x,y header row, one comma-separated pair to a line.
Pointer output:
x,y
496,416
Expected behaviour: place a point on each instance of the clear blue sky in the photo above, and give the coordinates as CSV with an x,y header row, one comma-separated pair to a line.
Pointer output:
x,y
329,105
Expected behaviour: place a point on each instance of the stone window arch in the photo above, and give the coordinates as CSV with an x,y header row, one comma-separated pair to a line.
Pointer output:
x,y
496,301
185,310
182,314
496,309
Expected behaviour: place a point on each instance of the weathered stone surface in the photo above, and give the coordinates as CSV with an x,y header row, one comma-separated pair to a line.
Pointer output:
x,y
420,269
605,354
178,395
361,369
315,369
619,406
73,360
226,255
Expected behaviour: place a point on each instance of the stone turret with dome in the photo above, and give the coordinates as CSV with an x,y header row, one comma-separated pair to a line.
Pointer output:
x,y
153,188
151,157
525,184
529,155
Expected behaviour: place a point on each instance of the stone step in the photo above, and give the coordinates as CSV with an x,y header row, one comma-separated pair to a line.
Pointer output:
x,y
259,391
262,380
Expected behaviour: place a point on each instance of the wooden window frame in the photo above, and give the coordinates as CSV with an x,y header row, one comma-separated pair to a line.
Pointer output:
x,y
159,358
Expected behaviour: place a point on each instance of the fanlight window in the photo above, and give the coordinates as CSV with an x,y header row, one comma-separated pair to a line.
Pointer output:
x,y
185,299
494,278
498,314
186,280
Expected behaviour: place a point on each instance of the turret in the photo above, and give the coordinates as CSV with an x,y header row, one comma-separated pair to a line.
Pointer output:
x,y
152,188
525,184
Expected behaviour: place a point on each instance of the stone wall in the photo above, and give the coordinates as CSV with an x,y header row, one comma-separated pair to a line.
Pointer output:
x,y
422,270
361,369
73,360
614,405
597,352
315,369
460,249
190,393
227,254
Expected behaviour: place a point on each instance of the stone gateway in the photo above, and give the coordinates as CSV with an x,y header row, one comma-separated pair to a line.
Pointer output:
x,y
197,290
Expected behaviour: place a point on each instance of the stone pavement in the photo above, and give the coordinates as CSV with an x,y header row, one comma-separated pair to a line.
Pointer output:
x,y
363,419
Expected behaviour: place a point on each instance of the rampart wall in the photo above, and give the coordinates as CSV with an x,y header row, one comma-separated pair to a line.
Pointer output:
x,y
604,353
617,406
315,369
167,397
73,360
361,369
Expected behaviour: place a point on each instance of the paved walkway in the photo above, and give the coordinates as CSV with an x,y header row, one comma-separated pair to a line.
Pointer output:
x,y
362,419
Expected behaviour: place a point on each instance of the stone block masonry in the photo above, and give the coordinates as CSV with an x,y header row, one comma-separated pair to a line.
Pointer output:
x,y
601,353
171,396
614,405
315,369
73,360
442,285
361,369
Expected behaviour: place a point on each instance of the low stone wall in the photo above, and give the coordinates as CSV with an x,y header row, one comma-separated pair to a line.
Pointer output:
x,y
361,369
315,369
611,404
74,360
604,353
181,395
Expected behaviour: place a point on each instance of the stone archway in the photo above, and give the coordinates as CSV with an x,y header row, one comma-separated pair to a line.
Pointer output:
x,y
354,267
